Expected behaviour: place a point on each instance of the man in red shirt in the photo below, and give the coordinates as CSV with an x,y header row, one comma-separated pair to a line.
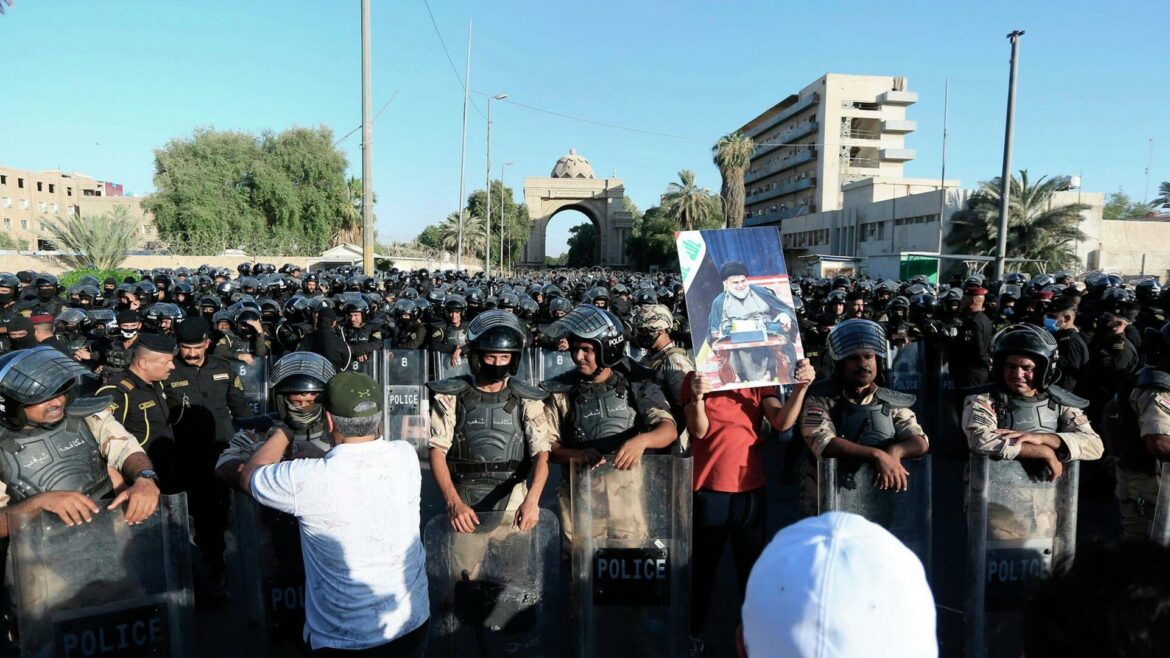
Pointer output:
x,y
729,497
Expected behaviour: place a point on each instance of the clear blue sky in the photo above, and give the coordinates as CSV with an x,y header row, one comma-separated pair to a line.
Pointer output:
x,y
96,86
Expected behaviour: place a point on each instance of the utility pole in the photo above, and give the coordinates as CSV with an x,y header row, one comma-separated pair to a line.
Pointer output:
x,y
488,221
1005,179
463,151
1149,163
942,177
367,150
502,188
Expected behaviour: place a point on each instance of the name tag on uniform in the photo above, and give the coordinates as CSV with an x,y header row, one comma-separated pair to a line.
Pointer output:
x,y
223,376
146,405
179,384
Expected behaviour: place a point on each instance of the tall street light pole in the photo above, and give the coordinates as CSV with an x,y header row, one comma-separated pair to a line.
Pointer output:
x,y
367,155
1005,178
502,188
487,261
463,151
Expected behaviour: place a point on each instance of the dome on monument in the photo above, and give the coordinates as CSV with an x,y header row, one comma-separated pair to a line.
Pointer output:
x,y
572,166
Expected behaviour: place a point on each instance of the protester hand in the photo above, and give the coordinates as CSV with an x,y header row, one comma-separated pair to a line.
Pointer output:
x,y
805,372
891,473
362,358
83,354
141,500
590,456
563,345
246,358
527,515
72,507
463,518
700,386
629,454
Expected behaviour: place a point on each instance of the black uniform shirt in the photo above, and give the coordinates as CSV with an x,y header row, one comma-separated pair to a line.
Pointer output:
x,y
140,407
206,399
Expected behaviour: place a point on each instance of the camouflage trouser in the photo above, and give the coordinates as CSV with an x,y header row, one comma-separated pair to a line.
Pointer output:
x,y
619,508
1137,494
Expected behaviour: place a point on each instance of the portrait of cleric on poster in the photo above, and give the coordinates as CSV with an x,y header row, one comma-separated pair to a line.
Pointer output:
x,y
743,320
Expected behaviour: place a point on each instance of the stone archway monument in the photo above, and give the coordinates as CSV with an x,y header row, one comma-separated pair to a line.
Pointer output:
x,y
572,186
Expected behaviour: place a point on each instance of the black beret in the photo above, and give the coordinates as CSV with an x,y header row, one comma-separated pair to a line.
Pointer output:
x,y
128,316
193,330
732,268
157,343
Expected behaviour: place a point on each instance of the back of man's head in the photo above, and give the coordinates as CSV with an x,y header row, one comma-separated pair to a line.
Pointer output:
x,y
354,403
1110,600
838,586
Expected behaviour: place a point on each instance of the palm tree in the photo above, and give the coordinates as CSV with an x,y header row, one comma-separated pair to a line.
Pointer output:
x,y
733,153
349,231
688,204
1163,192
474,238
1036,229
100,241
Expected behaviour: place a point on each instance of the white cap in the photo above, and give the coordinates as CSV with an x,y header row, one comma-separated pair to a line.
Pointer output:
x,y
838,586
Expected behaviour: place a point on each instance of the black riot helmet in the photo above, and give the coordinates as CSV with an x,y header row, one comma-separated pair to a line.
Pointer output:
x,y
596,326
495,331
1030,341
301,372
32,376
598,296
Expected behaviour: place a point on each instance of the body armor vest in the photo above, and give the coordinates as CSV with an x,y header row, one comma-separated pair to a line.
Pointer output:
x,y
488,457
361,334
453,337
118,356
601,415
65,458
866,424
1035,414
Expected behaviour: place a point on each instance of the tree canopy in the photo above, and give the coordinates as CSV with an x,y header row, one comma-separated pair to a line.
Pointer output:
x,y
100,241
1036,229
515,226
1118,205
688,204
272,192
732,154
582,246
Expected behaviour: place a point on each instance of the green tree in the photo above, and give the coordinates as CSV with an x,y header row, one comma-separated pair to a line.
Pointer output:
x,y
1163,193
432,236
582,246
1036,229
270,192
516,225
688,204
100,241
732,154
1118,205
473,234
349,230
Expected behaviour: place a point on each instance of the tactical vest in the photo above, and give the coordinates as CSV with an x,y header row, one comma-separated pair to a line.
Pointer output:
x,y
870,424
118,356
453,337
1125,435
1035,414
601,416
65,458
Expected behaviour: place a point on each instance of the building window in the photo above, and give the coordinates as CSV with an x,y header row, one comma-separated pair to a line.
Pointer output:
x,y
3,179
77,210
146,228
41,225
40,186
6,202
89,193
51,188
24,204
20,183
52,207
69,191
8,222
41,206
24,224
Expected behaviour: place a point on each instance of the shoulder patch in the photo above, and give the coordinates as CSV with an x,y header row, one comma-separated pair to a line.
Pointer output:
x,y
126,384
220,377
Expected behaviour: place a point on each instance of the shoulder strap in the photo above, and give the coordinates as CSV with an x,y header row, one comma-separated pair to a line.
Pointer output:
x,y
895,399
526,391
1067,398
451,386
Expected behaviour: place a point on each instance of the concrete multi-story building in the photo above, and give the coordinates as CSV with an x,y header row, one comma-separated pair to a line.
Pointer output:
x,y
31,199
838,130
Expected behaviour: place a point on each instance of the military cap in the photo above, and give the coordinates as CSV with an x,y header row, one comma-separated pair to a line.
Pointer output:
x,y
193,330
653,316
157,343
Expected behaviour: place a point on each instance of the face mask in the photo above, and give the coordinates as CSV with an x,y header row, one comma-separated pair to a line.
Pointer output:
x,y
128,333
5,297
45,294
1008,311
1050,324
493,373
24,342
644,340
302,419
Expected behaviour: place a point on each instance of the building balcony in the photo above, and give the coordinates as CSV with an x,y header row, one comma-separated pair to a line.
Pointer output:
x,y
899,126
782,190
897,155
784,165
861,134
787,137
864,163
898,98
787,113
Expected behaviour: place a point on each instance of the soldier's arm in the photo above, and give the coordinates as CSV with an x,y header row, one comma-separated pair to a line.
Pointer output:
x,y
1079,441
911,439
980,427
116,444
72,507
462,517
1153,409
237,402
816,427
655,413
537,430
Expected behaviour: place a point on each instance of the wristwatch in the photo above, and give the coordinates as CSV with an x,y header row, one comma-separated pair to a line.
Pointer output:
x,y
148,474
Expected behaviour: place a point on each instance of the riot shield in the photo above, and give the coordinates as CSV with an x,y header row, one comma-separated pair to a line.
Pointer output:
x,y
846,486
441,367
254,378
271,586
1160,532
554,364
406,409
1019,525
491,590
906,373
369,364
630,539
105,587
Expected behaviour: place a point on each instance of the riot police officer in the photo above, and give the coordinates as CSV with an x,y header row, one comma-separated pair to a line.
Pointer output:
x,y
43,416
670,363
1021,413
449,336
489,429
852,416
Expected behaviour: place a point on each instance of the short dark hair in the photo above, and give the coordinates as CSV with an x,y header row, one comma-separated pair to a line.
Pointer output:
x,y
1110,600
1062,305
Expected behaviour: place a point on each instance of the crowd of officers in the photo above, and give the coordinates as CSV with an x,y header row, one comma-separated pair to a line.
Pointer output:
x,y
1041,367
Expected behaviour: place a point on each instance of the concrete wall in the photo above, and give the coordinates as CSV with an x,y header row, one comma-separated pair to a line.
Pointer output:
x,y
1124,244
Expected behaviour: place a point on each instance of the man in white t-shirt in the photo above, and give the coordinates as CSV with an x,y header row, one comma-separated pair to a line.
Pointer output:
x,y
358,508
